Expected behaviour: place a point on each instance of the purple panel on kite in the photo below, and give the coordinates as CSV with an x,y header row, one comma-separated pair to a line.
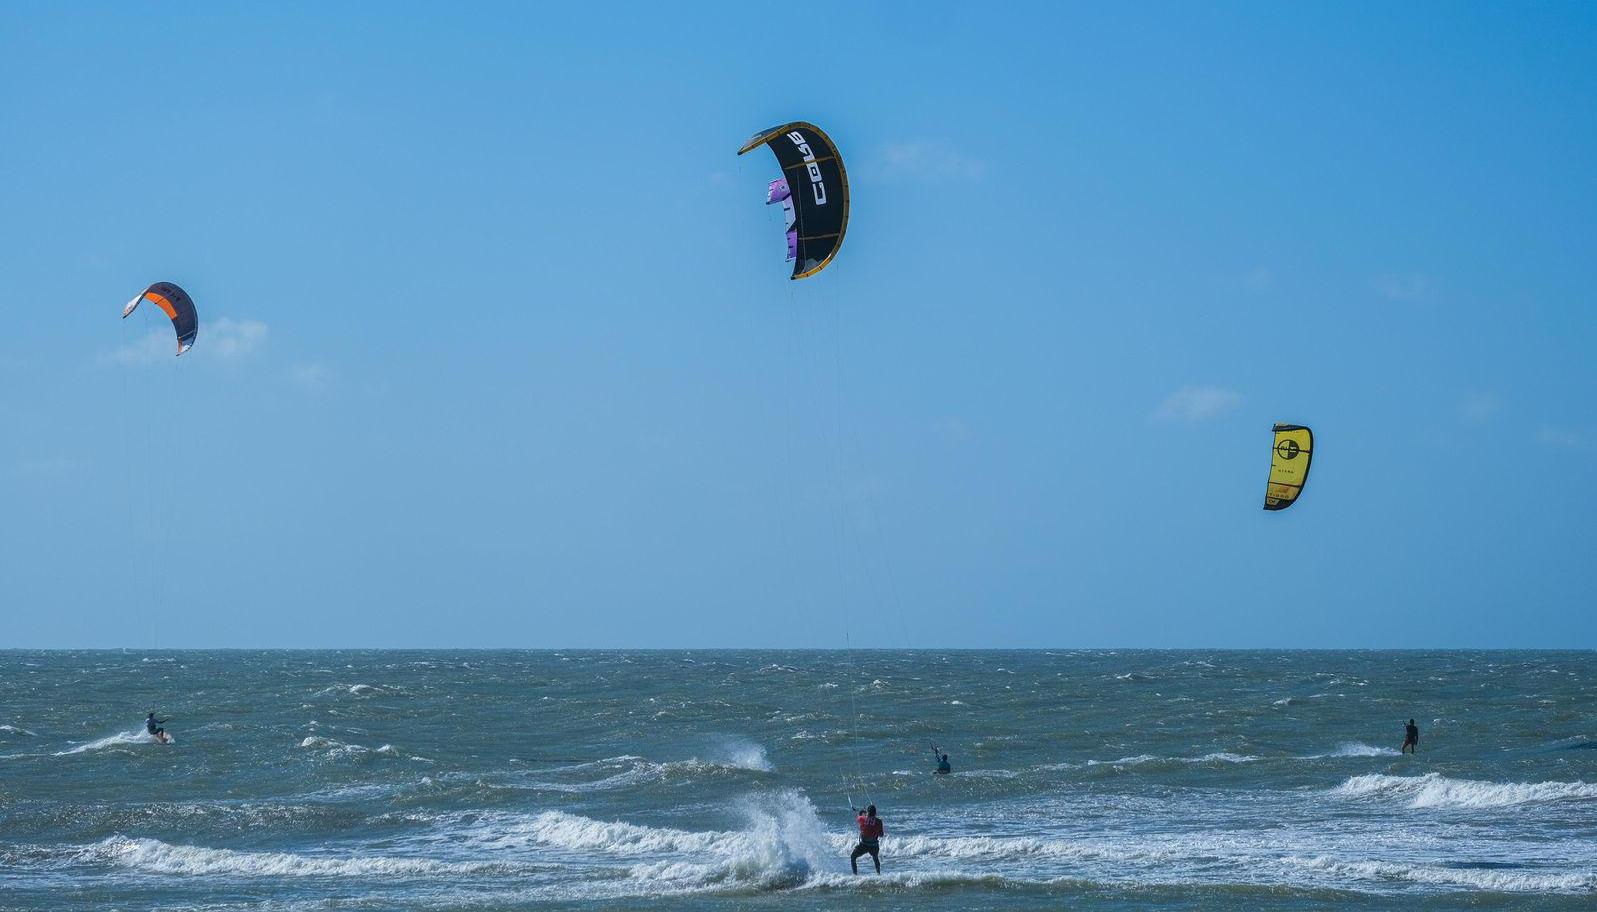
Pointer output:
x,y
778,191
792,245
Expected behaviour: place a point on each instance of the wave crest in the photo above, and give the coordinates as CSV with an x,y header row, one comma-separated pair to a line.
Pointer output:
x,y
1493,879
155,856
1434,790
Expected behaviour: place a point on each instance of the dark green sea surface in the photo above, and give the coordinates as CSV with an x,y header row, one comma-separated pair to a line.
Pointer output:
x,y
722,780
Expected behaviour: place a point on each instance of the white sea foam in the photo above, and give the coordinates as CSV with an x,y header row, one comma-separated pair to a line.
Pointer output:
x,y
914,880
1126,761
1355,749
333,748
782,845
314,742
12,729
741,753
573,831
1220,757
973,774
1432,790
153,855
733,755
602,762
1140,759
1001,848
354,690
785,845
137,737
1504,880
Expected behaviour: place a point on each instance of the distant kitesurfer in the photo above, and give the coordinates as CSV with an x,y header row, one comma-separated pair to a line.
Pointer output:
x,y
153,726
870,838
1411,738
943,766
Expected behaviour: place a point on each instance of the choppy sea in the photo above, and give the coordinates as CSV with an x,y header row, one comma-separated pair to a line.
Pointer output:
x,y
492,780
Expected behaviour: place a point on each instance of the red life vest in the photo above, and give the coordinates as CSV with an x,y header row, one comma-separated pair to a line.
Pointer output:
x,y
870,827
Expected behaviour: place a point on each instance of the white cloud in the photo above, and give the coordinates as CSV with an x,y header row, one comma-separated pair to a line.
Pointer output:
x,y
224,339
953,427
232,339
154,347
1260,278
311,377
49,466
1193,404
1566,439
1405,288
929,160
1479,408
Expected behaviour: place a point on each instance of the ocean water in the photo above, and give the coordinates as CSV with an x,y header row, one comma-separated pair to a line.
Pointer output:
x,y
723,779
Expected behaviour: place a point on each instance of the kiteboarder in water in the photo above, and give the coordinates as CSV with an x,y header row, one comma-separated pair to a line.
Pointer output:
x,y
870,838
943,766
1411,738
153,726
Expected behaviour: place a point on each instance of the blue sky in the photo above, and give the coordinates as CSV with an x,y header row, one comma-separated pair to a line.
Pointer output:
x,y
497,346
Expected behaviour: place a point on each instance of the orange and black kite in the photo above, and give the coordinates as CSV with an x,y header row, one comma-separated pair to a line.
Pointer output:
x,y
177,305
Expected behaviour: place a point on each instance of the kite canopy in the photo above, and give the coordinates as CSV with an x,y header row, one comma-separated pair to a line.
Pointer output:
x,y
779,193
1289,465
815,185
177,305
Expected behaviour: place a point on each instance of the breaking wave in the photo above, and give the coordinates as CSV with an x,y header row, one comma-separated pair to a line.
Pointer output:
x,y
735,758
1496,879
741,753
782,844
1143,759
331,748
1433,790
355,690
153,855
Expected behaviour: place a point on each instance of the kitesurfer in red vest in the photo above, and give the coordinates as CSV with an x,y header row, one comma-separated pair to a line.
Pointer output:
x,y
870,838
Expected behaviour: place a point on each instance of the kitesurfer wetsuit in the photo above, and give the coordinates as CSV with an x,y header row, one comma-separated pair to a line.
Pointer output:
x,y
1411,738
153,726
870,838
943,766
